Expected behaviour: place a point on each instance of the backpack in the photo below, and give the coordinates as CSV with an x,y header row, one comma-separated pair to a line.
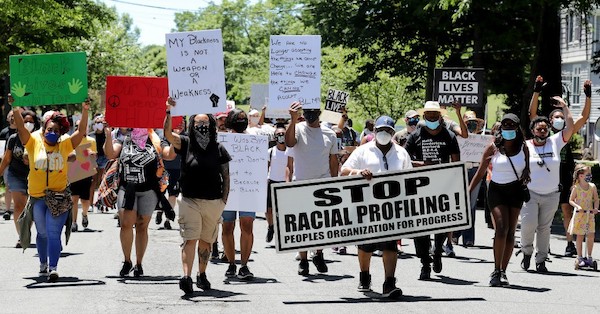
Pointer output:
x,y
109,186
161,173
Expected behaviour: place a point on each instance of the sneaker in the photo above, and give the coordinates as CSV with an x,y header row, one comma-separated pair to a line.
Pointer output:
x,y
437,263
449,250
85,222
364,285
581,261
503,279
469,244
245,273
138,271
74,227
230,273
202,282
570,251
270,233
168,225
495,278
303,267
43,270
526,261
298,257
425,272
390,290
224,258
18,245
185,284
53,276
541,267
127,268
319,262
378,253
158,219
6,215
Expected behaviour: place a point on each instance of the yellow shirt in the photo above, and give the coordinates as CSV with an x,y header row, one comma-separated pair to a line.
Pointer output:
x,y
40,155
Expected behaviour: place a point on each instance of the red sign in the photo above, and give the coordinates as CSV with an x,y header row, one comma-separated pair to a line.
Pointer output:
x,y
136,102
176,122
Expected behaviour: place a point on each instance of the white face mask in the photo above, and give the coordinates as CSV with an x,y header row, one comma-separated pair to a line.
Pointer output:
x,y
558,123
29,126
254,120
98,126
383,137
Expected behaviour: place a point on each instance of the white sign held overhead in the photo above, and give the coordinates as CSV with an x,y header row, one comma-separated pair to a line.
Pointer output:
x,y
259,95
472,148
295,73
196,72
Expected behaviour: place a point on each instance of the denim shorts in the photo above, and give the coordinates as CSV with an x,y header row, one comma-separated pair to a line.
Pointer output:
x,y
101,161
229,215
15,183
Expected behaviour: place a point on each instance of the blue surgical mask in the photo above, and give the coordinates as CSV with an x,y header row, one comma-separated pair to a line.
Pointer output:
x,y
52,137
413,121
432,125
558,123
509,134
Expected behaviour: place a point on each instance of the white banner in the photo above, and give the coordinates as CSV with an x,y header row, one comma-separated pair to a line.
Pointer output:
x,y
351,210
472,148
295,73
196,72
247,171
259,95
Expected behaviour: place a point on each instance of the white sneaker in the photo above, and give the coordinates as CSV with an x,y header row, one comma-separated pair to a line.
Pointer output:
x,y
53,276
297,257
449,250
378,253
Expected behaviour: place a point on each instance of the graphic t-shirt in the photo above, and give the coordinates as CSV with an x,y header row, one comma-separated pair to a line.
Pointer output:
x,y
43,156
544,164
17,166
432,149
138,165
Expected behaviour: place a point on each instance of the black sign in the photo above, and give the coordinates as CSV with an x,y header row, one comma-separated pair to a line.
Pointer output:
x,y
459,85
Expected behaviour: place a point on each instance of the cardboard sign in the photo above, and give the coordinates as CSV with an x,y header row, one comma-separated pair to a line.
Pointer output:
x,y
342,211
136,102
259,95
457,84
247,171
295,73
334,104
196,72
48,79
84,165
473,147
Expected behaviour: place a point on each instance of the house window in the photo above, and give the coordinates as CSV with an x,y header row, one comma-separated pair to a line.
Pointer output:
x,y
576,87
570,28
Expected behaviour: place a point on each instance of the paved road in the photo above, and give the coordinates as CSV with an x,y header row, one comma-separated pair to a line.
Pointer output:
x,y
91,262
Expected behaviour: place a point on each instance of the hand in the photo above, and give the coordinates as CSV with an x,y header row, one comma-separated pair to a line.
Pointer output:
x,y
86,104
75,86
595,211
294,108
264,108
587,88
539,84
559,102
367,174
170,103
107,131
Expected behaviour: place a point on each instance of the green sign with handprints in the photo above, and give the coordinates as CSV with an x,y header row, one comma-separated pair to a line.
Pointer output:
x,y
48,79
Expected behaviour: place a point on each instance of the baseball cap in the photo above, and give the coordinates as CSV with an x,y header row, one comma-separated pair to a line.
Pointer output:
x,y
512,117
411,114
385,121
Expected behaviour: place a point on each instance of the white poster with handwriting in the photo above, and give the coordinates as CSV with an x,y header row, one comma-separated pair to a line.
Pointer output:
x,y
247,171
472,148
295,73
196,72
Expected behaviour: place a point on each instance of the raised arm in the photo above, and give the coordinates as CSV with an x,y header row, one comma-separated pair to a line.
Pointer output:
x,y
111,150
263,112
533,104
463,131
173,138
290,133
81,132
585,113
24,134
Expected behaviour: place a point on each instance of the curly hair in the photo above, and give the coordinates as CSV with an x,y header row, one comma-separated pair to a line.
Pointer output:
x,y
62,121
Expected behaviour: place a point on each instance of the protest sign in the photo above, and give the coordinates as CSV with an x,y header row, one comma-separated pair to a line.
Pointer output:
x,y
472,148
176,122
295,73
84,165
136,102
247,171
196,72
351,210
458,84
334,104
259,95
48,79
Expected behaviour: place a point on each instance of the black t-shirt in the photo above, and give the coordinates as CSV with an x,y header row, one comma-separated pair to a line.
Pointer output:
x,y
100,139
17,166
174,164
433,149
6,133
138,165
201,170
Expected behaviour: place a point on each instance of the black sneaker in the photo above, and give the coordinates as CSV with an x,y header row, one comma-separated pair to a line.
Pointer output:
x,y
158,219
437,263
495,279
74,227
202,282
270,233
224,258
168,225
503,279
319,262
541,267
526,262
303,268
364,284
570,251
230,273
390,290
425,272
85,222
6,215
245,273
127,268
186,284
138,271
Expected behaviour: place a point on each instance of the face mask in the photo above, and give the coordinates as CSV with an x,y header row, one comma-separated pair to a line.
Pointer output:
x,y
139,136
588,178
254,120
383,137
509,134
98,126
311,116
51,137
240,125
413,121
471,126
432,125
202,128
558,123
539,139
29,126
202,135
280,139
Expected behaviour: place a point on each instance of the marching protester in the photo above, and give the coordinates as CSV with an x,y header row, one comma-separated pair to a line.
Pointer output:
x,y
567,161
139,155
15,166
508,157
368,129
315,156
98,135
411,118
375,157
202,201
49,204
237,122
545,187
80,190
256,125
4,135
349,135
429,145
584,198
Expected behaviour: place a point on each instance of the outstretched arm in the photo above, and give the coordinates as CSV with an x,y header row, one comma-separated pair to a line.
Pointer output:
x,y
585,113
173,138
533,104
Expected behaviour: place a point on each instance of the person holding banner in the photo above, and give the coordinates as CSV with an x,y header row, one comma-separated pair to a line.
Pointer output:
x,y
508,155
48,168
374,157
281,169
315,156
431,144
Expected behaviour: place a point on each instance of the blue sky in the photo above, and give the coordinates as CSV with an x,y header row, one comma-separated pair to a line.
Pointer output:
x,y
155,18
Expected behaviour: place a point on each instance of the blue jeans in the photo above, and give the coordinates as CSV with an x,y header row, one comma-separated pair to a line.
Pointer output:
x,y
49,229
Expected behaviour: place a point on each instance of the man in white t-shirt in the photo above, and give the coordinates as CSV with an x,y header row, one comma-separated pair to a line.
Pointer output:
x,y
315,156
257,127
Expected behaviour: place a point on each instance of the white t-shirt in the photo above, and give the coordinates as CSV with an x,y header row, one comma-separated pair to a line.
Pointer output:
x,y
278,159
545,177
368,156
502,171
311,152
264,129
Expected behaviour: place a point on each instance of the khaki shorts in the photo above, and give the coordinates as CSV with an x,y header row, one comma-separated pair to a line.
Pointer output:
x,y
199,219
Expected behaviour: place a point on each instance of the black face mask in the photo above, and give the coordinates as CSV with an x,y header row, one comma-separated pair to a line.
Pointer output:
x,y
471,126
413,121
311,116
240,125
202,129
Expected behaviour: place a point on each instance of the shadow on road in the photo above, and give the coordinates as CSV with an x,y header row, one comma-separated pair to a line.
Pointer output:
x,y
324,277
255,280
212,293
530,289
42,282
88,230
452,281
378,299
147,280
64,254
